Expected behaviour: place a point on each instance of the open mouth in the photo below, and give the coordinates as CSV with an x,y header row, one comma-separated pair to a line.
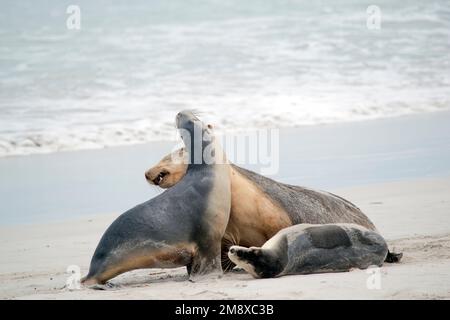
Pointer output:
x,y
159,178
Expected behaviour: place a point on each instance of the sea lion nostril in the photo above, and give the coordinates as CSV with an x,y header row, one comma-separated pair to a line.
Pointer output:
x,y
232,250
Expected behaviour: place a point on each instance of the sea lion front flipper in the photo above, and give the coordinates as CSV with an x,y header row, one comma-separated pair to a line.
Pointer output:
x,y
204,266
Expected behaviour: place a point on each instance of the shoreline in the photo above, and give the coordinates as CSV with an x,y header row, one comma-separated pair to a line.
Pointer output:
x,y
70,185
443,112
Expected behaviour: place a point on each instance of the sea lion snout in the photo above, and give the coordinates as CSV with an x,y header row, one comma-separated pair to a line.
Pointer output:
x,y
232,251
169,170
237,251
185,117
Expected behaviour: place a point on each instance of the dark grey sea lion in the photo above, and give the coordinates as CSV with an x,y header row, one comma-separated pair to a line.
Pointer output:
x,y
183,226
305,248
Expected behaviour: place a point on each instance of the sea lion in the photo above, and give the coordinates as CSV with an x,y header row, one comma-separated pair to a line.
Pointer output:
x,y
306,248
183,226
260,206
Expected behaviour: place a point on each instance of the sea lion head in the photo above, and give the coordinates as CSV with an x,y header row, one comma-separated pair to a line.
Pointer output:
x,y
198,139
188,122
169,170
259,262
172,168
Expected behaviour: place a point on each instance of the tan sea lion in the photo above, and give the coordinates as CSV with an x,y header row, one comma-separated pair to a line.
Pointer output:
x,y
260,206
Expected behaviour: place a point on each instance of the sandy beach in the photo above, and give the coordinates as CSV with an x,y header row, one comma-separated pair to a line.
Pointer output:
x,y
346,97
403,186
413,216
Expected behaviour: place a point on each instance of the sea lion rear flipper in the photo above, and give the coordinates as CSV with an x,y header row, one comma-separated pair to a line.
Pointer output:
x,y
393,257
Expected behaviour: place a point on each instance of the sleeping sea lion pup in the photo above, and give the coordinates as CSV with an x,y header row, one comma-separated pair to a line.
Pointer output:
x,y
306,248
183,226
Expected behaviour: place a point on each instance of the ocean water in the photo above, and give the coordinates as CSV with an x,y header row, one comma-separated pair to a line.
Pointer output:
x,y
122,77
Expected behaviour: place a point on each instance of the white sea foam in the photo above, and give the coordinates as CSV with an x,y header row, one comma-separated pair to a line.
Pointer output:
x,y
122,78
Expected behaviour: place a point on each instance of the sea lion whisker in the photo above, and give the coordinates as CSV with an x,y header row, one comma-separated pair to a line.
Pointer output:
x,y
229,264
236,239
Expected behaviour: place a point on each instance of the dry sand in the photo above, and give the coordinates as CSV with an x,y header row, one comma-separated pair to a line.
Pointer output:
x,y
413,215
